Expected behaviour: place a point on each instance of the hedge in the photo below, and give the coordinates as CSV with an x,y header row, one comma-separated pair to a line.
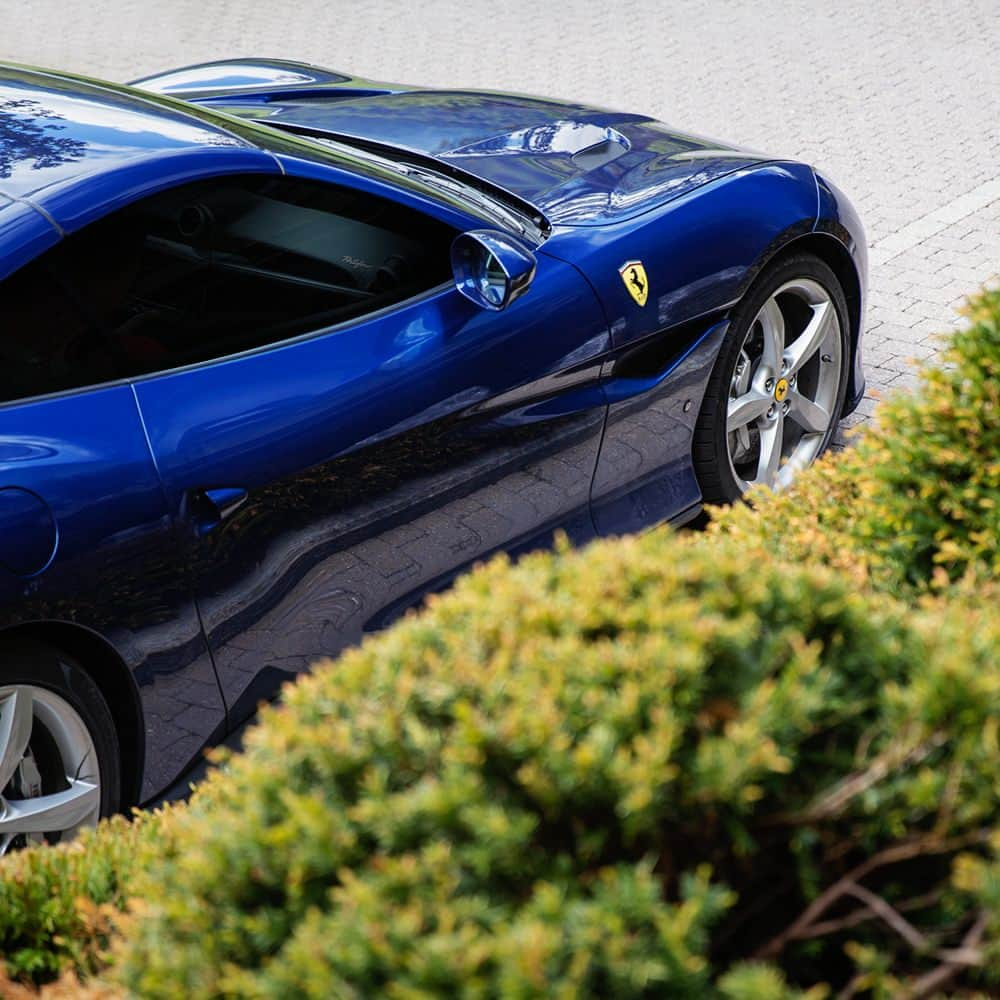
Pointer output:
x,y
57,905
602,774
742,763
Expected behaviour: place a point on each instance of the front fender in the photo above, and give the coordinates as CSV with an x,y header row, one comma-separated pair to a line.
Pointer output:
x,y
700,251
838,218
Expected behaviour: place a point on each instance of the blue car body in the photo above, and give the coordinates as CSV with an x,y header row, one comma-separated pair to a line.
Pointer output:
x,y
199,534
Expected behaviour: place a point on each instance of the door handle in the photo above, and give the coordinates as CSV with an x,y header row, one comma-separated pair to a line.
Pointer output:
x,y
208,508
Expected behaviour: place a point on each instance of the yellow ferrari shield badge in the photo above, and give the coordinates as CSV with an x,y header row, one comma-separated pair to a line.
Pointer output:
x,y
634,276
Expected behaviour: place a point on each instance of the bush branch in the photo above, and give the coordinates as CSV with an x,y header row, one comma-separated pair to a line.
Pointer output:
x,y
889,915
955,960
832,802
889,856
865,913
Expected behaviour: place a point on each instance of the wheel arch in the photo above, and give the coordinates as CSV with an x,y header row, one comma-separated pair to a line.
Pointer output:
x,y
108,671
838,258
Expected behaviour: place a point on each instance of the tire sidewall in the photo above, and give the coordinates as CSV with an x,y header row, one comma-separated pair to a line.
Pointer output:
x,y
46,667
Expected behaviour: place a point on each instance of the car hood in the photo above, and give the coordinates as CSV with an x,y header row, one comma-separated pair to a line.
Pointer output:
x,y
577,165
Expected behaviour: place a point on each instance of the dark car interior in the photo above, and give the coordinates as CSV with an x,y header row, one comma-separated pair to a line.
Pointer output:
x,y
209,270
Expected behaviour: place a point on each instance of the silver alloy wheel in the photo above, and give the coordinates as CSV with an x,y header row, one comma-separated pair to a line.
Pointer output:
x,y
49,773
784,390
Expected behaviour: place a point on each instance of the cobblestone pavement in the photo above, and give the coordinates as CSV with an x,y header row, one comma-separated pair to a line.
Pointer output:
x,y
898,100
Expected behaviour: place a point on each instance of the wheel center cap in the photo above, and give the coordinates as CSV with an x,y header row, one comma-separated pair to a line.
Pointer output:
x,y
781,390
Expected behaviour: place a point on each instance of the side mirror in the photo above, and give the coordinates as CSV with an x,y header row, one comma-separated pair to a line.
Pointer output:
x,y
491,268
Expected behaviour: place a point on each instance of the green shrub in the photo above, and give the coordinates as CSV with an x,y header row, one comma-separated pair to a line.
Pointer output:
x,y
599,773
934,500
57,904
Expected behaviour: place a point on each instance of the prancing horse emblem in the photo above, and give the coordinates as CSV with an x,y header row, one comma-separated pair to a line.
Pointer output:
x,y
634,276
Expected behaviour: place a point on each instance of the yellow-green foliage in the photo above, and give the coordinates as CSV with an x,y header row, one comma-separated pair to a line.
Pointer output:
x,y
730,765
567,777
934,495
56,905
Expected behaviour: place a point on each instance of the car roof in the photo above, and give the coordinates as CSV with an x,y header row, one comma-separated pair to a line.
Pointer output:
x,y
74,149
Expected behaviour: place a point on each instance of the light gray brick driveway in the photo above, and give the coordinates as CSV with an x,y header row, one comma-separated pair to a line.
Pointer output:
x,y
899,100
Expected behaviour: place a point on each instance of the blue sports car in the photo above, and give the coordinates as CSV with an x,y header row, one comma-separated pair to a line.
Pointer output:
x,y
284,350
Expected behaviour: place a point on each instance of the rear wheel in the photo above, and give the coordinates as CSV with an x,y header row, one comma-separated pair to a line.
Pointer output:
x,y
59,763
778,387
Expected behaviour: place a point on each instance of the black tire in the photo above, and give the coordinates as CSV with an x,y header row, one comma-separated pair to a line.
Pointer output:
x,y
710,450
44,666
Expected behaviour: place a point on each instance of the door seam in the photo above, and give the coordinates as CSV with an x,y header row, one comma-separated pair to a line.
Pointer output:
x,y
175,528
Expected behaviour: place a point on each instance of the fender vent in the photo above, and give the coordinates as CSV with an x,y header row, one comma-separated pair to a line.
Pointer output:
x,y
659,352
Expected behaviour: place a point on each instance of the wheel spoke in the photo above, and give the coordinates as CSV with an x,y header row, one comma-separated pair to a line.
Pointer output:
x,y
47,813
808,415
772,324
15,731
746,409
771,438
741,377
794,374
743,439
808,342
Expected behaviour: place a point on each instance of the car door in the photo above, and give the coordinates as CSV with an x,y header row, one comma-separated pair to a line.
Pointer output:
x,y
330,460
88,553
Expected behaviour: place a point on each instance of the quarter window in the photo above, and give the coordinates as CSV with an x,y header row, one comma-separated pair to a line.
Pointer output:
x,y
208,270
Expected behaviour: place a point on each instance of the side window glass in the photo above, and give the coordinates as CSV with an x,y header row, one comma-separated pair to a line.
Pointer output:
x,y
208,270
43,334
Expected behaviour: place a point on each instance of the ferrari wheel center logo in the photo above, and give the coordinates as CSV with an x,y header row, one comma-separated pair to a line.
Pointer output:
x,y
781,390
634,276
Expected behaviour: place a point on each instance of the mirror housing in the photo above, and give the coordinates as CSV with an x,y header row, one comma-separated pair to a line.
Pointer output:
x,y
491,268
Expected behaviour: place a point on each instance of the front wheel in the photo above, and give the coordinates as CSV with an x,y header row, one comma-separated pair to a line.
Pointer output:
x,y
59,764
778,386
